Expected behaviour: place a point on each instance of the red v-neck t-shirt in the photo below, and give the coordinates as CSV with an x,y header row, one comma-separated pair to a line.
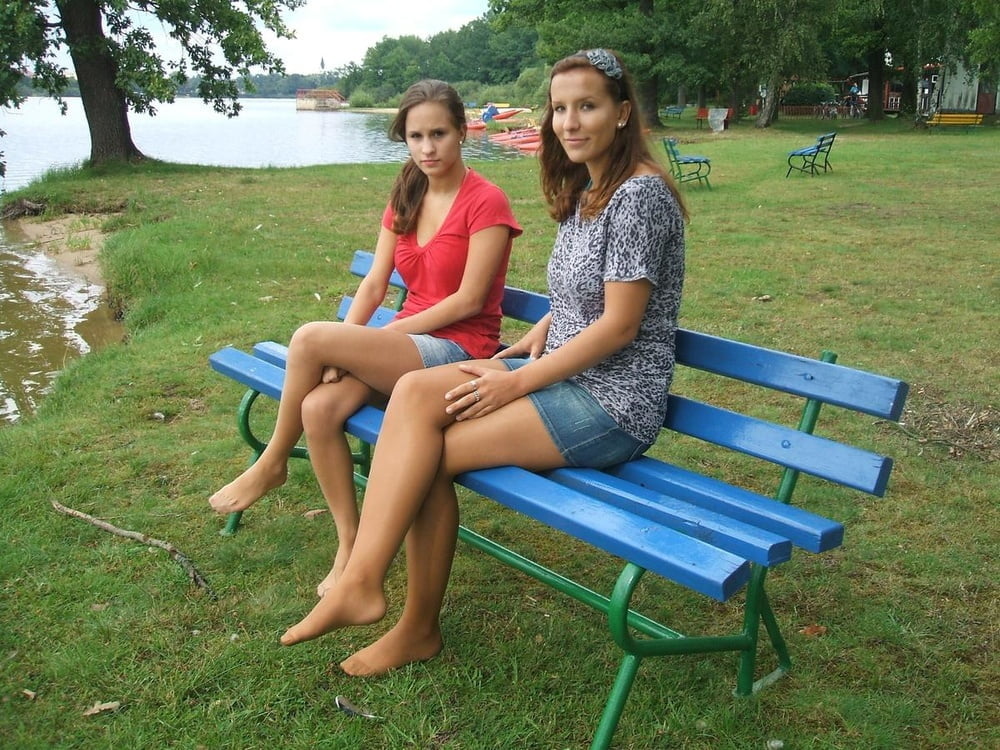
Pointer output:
x,y
434,271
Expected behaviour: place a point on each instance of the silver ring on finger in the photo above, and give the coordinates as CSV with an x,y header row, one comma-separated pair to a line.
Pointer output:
x,y
475,395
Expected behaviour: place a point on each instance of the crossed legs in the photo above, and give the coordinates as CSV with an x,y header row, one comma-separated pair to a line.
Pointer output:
x,y
376,357
410,496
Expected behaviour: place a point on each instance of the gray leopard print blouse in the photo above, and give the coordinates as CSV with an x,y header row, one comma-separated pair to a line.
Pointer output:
x,y
638,235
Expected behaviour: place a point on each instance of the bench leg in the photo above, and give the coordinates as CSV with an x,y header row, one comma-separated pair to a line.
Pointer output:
x,y
757,611
257,446
616,702
232,523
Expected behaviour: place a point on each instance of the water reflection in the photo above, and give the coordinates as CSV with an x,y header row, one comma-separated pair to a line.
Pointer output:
x,y
47,317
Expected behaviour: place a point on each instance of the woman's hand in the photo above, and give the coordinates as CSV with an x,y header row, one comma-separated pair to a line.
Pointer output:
x,y
484,393
331,375
532,344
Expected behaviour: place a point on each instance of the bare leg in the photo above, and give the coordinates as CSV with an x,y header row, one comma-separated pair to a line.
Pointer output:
x,y
375,356
406,496
430,549
324,412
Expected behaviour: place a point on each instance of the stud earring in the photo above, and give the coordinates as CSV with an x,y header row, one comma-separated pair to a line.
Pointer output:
x,y
621,125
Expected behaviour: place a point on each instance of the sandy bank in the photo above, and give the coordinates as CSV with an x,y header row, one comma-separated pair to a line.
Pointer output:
x,y
74,241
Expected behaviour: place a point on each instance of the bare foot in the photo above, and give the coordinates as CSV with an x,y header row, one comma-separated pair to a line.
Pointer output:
x,y
339,563
341,606
248,487
398,647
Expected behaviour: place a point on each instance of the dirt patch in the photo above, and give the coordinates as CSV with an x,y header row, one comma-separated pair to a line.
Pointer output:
x,y
964,428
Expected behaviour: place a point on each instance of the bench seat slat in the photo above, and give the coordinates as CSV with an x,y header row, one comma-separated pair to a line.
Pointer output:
x,y
252,372
757,545
668,553
806,530
272,352
784,446
810,378
264,372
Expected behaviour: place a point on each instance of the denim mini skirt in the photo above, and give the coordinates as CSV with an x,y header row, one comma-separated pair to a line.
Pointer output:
x,y
436,351
580,428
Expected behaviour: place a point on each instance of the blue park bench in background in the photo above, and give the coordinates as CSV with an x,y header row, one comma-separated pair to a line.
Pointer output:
x,y
686,167
812,158
674,111
700,531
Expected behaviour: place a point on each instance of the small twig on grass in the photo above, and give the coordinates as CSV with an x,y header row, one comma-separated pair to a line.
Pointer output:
x,y
196,578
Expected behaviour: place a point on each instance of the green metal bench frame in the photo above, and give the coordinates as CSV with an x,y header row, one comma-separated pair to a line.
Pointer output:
x,y
810,156
567,498
687,168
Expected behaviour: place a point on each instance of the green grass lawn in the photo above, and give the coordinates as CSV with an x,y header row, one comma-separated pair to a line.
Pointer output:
x,y
890,260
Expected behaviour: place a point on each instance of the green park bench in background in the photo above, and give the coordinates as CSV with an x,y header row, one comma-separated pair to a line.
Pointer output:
x,y
685,168
810,159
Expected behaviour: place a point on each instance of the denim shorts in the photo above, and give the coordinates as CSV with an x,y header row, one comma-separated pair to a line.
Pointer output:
x,y
582,431
436,351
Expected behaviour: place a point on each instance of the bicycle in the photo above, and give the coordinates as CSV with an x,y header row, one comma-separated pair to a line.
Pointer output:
x,y
854,108
825,111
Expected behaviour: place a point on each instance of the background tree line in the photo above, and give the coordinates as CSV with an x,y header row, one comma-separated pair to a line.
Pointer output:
x,y
680,51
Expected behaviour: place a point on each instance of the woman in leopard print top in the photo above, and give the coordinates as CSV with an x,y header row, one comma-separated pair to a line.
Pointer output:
x,y
586,386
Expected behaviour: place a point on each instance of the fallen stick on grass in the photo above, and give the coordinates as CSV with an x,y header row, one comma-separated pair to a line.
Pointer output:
x,y
196,578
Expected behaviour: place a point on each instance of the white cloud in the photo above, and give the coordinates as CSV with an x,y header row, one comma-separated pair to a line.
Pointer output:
x,y
339,32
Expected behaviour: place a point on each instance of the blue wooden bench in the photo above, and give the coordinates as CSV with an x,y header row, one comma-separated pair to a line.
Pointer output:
x,y
812,158
686,167
674,111
699,531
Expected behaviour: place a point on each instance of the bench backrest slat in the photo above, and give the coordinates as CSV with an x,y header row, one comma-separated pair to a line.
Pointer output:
x,y
810,378
517,304
825,141
782,445
830,383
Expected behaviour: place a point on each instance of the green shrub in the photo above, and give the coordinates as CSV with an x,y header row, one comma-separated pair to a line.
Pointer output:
x,y
362,98
810,93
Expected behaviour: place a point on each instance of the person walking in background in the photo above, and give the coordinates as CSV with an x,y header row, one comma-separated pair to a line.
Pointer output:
x,y
586,386
449,233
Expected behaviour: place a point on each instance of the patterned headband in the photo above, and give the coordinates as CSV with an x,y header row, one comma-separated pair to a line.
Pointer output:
x,y
605,62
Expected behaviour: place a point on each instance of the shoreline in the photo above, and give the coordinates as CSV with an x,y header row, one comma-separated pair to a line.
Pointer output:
x,y
73,241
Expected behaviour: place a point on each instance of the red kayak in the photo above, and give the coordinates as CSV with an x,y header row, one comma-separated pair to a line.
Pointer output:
x,y
521,134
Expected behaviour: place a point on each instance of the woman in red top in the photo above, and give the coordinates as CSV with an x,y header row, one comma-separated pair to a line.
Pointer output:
x,y
448,232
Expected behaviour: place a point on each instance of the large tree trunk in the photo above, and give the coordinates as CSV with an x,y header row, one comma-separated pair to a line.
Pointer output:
x,y
876,84
649,92
769,108
96,70
648,89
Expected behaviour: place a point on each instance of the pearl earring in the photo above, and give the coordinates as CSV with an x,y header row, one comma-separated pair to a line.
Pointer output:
x,y
621,125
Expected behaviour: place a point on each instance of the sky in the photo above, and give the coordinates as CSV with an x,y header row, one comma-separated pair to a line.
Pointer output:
x,y
341,31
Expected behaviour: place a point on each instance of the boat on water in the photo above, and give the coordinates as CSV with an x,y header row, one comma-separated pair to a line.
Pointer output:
x,y
525,140
492,112
521,135
324,100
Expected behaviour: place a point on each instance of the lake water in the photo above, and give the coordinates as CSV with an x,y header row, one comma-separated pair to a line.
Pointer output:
x,y
47,316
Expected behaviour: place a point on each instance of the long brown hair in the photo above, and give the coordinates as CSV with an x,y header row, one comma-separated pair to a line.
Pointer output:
x,y
411,184
563,181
